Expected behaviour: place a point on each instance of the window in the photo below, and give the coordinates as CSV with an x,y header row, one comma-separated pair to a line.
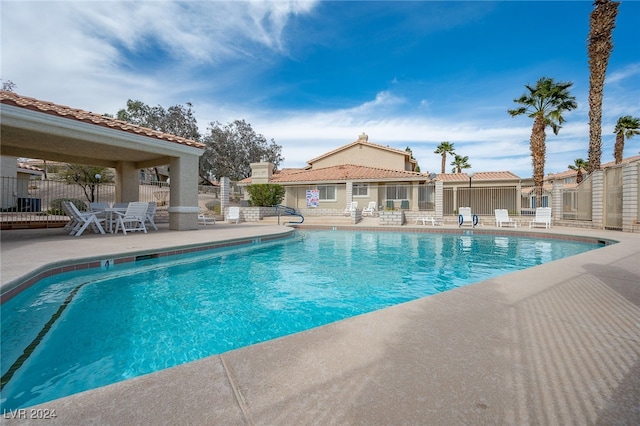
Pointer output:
x,y
360,189
327,193
397,192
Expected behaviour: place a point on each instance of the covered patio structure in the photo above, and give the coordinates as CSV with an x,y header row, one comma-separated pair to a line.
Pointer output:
x,y
32,128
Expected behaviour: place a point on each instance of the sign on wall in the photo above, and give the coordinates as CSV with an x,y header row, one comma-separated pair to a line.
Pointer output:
x,y
313,197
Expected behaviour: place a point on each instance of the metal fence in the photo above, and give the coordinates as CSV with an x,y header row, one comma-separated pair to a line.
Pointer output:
x,y
38,201
576,202
482,200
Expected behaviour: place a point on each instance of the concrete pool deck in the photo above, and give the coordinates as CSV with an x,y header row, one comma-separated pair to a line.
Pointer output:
x,y
555,344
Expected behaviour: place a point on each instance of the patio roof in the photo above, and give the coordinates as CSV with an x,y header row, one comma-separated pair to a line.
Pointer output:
x,y
34,128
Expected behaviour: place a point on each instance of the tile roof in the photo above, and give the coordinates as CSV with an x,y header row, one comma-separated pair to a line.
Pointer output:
x,y
570,173
13,99
342,173
26,166
478,176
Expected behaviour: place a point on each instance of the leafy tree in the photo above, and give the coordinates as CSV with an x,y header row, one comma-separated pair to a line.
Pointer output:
x,y
602,22
85,177
626,126
545,102
176,120
459,162
266,194
443,149
579,165
8,86
232,148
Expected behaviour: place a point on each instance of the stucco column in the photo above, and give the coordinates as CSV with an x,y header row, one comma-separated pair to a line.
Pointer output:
x,y
556,201
414,204
127,182
630,180
348,194
439,199
225,188
597,199
183,209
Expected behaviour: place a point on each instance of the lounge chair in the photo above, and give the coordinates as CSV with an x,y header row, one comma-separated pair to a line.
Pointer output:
x,y
543,218
233,215
465,218
81,220
503,219
352,207
133,218
430,219
204,220
370,210
151,213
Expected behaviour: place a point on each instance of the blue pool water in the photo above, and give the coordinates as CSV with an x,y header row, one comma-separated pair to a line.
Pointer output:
x,y
140,318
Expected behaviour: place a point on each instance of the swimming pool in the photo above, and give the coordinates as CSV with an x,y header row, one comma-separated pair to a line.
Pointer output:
x,y
136,319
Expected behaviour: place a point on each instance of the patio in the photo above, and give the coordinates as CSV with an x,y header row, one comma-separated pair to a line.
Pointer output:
x,y
554,344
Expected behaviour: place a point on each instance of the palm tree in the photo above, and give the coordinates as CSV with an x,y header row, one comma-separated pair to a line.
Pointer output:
x,y
602,22
443,149
626,126
545,103
579,165
459,162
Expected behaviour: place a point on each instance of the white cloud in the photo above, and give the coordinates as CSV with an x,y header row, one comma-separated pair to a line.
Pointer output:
x,y
624,73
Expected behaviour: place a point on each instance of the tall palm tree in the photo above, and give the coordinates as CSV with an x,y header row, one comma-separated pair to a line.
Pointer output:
x,y
626,126
459,162
443,149
602,22
545,103
579,165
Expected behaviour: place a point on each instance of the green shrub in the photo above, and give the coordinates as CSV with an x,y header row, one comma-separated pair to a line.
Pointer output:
x,y
266,194
213,206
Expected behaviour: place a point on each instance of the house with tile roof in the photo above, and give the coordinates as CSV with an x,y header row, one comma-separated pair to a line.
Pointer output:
x,y
365,172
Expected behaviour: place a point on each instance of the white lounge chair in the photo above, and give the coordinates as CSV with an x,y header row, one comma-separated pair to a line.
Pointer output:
x,y
430,219
81,220
352,207
133,218
543,218
151,214
503,219
370,210
233,215
204,220
465,218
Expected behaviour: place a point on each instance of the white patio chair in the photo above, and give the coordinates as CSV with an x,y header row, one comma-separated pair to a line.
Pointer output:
x,y
543,218
81,220
133,219
465,218
352,207
430,219
370,210
151,213
233,215
503,219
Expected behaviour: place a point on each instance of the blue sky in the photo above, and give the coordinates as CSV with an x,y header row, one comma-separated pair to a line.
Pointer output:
x,y
314,75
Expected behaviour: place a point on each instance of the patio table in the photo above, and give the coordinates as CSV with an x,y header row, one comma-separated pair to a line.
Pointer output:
x,y
110,211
